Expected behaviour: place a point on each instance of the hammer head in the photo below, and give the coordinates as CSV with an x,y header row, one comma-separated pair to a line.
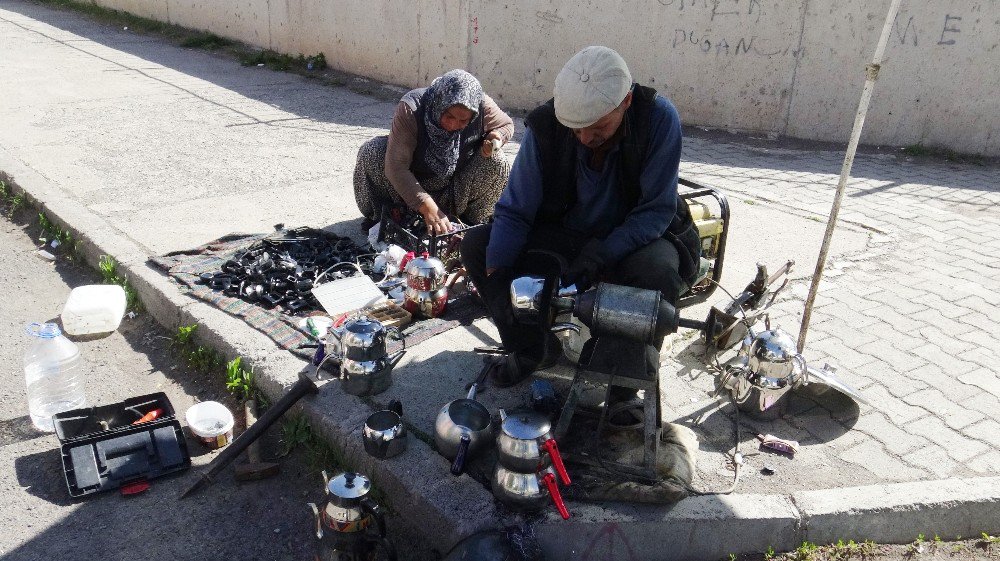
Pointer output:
x,y
252,471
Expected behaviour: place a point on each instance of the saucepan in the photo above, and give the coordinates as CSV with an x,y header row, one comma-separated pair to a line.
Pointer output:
x,y
463,428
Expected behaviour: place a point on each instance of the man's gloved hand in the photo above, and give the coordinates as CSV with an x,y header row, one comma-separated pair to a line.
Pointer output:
x,y
587,266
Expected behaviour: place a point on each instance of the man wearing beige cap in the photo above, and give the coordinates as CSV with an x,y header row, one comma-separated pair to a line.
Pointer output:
x,y
595,182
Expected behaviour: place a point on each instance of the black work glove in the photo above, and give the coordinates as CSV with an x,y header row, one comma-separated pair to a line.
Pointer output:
x,y
586,268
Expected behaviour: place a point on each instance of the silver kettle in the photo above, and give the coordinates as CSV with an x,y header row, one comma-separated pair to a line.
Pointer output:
x,y
426,293
360,347
353,523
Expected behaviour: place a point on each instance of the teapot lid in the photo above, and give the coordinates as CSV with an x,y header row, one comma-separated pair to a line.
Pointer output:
x,y
363,324
773,346
525,424
349,485
425,261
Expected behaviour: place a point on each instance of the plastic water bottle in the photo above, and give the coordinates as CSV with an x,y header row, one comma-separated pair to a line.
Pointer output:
x,y
53,374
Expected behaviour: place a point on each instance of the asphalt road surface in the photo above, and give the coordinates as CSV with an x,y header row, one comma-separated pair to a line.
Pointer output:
x,y
262,520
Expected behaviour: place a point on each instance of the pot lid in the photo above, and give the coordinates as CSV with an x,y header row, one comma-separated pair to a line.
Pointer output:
x,y
349,485
526,425
363,324
425,265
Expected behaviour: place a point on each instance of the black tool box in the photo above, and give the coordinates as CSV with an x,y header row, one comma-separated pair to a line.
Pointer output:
x,y
103,450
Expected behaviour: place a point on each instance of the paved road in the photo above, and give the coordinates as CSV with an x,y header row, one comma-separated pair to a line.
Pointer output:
x,y
41,521
152,148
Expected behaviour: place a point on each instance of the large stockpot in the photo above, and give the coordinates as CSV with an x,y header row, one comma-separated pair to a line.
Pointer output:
x,y
528,491
525,444
463,427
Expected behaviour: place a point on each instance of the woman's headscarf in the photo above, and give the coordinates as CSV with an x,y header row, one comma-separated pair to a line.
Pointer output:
x,y
456,87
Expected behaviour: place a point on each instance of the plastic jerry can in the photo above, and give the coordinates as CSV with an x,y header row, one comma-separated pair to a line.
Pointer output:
x,y
94,308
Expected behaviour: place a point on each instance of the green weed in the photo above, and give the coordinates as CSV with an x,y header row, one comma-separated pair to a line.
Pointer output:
x,y
282,62
13,201
207,41
108,268
769,554
919,150
52,231
988,541
805,552
198,357
239,380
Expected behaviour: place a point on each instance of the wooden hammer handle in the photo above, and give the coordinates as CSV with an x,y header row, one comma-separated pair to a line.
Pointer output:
x,y
250,413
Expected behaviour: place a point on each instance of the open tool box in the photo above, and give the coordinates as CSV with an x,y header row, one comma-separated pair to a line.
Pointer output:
x,y
122,445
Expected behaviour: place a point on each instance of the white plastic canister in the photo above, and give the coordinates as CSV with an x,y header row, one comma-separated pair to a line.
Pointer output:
x,y
94,308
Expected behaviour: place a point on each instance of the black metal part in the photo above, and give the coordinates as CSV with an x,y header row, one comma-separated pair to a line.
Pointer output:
x,y
281,270
304,386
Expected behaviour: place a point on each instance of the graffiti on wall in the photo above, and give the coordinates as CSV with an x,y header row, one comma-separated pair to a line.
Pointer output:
x,y
911,32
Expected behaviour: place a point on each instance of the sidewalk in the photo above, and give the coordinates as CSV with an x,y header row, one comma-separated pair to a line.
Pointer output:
x,y
146,148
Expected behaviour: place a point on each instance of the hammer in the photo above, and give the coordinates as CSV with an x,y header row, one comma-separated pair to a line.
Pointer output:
x,y
254,468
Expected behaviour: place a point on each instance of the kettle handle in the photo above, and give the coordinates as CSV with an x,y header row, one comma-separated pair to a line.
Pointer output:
x,y
372,508
553,449
550,481
395,334
319,519
458,466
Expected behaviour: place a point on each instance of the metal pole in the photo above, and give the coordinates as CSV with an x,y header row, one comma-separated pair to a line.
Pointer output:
x,y
871,72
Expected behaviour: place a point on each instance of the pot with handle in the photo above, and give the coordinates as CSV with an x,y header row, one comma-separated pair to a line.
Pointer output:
x,y
525,444
463,428
528,491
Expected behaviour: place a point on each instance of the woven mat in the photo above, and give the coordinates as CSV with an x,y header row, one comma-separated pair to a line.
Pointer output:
x,y
186,267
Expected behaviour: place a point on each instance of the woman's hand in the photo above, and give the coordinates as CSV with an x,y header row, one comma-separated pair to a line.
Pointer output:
x,y
437,221
491,142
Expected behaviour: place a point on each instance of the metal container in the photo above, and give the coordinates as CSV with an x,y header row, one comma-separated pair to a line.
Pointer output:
x,y
525,444
425,303
425,273
528,491
361,339
351,525
384,434
463,428
360,347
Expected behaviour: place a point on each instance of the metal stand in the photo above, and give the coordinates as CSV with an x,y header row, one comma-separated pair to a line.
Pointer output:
x,y
619,362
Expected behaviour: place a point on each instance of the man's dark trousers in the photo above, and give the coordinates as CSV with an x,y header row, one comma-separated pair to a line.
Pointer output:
x,y
652,267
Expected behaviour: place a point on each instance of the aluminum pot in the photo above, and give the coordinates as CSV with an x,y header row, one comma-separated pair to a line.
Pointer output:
x,y
525,444
528,491
463,428
384,434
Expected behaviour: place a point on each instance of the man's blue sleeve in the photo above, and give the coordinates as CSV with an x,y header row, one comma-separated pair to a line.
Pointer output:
x,y
515,211
658,184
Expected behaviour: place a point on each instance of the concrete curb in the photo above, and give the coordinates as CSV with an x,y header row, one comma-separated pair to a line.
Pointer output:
x,y
444,510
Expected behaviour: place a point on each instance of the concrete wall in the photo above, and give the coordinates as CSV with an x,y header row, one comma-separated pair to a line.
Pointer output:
x,y
791,68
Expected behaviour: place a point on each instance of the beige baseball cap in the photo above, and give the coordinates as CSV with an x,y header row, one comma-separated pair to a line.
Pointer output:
x,y
590,86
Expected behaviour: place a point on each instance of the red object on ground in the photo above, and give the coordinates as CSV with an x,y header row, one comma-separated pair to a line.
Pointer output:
x,y
151,416
135,488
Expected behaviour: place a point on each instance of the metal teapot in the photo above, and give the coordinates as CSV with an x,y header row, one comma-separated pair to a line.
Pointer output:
x,y
360,347
351,524
767,366
426,293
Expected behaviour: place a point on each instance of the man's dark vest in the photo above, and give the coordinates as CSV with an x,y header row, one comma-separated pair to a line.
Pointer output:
x,y
472,136
557,150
